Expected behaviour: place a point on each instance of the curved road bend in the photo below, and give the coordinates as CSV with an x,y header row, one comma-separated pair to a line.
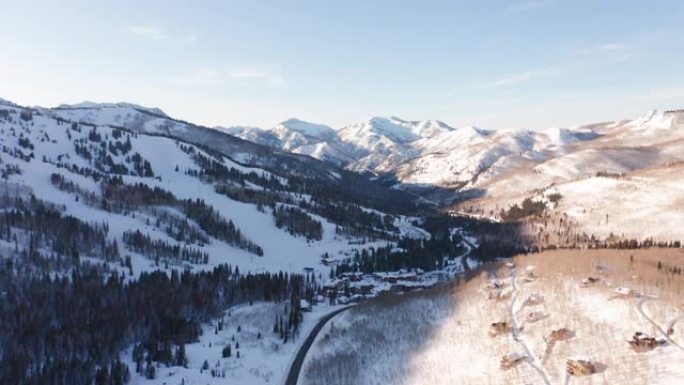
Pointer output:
x,y
296,367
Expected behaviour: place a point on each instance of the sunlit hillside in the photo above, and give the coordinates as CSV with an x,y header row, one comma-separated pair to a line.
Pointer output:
x,y
595,300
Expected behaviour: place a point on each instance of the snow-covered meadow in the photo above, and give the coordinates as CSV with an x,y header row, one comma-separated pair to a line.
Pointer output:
x,y
441,336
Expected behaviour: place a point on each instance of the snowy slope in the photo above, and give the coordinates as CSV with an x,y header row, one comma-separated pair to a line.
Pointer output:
x,y
299,137
52,136
629,172
257,149
442,336
501,168
360,147
431,153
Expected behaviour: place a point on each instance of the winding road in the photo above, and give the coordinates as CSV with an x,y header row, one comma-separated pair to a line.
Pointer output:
x,y
298,362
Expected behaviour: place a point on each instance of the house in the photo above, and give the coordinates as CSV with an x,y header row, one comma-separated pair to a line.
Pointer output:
x,y
535,316
510,360
562,334
304,305
397,289
498,328
329,261
589,281
641,342
534,299
578,367
500,294
623,292
495,284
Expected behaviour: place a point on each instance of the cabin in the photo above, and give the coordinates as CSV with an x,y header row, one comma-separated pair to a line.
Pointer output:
x,y
641,342
498,328
329,262
495,284
577,367
562,334
397,289
304,305
367,289
534,299
510,360
589,281
497,295
362,289
623,292
535,316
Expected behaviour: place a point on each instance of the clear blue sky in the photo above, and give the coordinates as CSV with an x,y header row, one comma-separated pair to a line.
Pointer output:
x,y
494,64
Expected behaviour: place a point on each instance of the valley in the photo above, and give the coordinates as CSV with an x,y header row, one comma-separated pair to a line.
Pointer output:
x,y
258,243
341,193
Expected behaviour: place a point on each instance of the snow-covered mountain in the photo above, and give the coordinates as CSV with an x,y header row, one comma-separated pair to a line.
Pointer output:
x,y
156,229
360,147
623,178
259,148
299,137
485,169
128,190
433,153
499,168
67,156
418,153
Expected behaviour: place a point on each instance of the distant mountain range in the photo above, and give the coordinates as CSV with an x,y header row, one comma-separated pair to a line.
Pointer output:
x,y
461,168
432,153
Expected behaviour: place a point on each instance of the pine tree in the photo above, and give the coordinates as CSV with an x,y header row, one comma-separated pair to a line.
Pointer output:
x,y
226,351
180,357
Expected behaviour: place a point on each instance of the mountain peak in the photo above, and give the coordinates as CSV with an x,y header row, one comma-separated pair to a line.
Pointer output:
x,y
88,105
393,128
7,103
653,120
314,130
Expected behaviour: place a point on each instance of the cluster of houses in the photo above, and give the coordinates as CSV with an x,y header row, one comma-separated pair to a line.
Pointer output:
x,y
497,290
355,286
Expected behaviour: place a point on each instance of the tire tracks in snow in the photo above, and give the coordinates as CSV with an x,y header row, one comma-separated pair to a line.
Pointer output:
x,y
531,358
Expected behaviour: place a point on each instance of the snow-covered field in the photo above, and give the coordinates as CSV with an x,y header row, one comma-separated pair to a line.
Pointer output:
x,y
442,336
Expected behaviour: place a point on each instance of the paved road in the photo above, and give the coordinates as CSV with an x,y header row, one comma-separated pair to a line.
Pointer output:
x,y
296,367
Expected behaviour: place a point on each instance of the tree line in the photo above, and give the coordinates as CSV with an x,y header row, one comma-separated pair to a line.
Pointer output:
x,y
70,329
